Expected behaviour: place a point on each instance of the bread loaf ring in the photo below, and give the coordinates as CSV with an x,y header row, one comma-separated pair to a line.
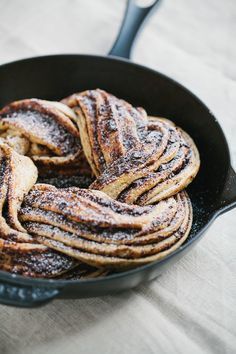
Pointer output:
x,y
135,211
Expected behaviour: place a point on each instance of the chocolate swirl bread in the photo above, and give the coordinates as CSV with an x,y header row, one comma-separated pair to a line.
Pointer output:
x,y
19,252
45,131
137,159
94,228
134,212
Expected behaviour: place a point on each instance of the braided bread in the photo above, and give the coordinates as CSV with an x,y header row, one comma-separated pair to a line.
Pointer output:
x,y
45,131
19,252
136,159
134,212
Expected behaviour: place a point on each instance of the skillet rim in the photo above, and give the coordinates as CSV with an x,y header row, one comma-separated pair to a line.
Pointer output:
x,y
54,283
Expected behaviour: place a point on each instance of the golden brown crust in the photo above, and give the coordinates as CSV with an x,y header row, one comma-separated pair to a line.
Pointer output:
x,y
43,130
33,260
93,228
134,212
137,159
109,127
19,252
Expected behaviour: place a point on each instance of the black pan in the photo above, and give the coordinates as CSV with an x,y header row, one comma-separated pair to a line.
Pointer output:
x,y
54,77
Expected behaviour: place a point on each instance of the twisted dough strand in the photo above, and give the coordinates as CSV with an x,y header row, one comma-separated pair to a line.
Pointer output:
x,y
92,227
135,212
136,159
43,130
19,252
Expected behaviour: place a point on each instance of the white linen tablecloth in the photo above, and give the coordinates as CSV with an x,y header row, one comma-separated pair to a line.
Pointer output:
x,y
190,308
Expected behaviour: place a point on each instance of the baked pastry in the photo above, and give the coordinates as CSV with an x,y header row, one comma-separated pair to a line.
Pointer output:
x,y
94,228
137,159
45,131
135,209
83,271
19,252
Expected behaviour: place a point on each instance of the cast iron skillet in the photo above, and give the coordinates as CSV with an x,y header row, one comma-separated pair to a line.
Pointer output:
x,y
54,77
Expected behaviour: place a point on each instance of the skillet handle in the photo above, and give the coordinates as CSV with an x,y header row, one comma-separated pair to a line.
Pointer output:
x,y
228,197
25,296
132,22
